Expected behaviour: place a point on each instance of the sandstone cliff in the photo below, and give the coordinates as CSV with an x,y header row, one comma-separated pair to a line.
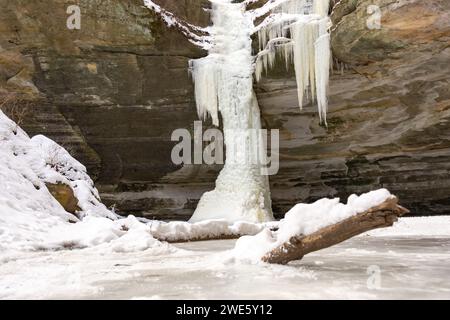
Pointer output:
x,y
116,89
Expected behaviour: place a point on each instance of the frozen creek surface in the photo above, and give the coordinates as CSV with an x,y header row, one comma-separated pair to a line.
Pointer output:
x,y
412,267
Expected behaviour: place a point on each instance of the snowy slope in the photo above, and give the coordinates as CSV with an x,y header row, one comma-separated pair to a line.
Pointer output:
x,y
31,219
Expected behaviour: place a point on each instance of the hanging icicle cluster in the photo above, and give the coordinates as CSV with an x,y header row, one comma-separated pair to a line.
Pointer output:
x,y
205,75
299,34
296,31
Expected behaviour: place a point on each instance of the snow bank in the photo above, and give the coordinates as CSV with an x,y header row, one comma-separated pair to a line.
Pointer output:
x,y
305,219
184,231
27,209
123,235
53,164
31,218
40,160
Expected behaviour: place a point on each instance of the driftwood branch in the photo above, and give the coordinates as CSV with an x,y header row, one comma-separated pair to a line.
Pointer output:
x,y
380,216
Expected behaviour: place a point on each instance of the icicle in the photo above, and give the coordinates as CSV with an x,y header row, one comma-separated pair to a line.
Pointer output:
x,y
271,32
205,73
288,52
313,34
304,35
322,63
298,34
309,51
321,7
259,69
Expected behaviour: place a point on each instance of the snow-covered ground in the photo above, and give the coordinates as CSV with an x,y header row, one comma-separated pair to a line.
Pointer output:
x,y
410,260
45,254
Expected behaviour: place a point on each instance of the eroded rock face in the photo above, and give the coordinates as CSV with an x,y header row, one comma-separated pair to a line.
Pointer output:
x,y
114,91
111,92
389,113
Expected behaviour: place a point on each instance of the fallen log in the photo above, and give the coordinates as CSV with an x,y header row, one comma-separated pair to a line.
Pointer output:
x,y
207,238
180,231
383,215
222,236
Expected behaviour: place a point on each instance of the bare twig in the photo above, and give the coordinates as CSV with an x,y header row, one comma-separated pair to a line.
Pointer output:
x,y
16,108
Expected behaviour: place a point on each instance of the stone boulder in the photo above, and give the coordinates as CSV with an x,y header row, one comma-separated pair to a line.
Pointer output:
x,y
65,196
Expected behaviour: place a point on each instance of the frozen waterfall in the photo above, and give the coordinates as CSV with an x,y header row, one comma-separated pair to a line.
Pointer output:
x,y
294,29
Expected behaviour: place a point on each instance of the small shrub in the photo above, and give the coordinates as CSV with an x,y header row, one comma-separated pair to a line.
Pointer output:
x,y
16,107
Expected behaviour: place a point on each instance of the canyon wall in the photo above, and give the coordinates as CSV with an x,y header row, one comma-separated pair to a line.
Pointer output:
x,y
113,92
